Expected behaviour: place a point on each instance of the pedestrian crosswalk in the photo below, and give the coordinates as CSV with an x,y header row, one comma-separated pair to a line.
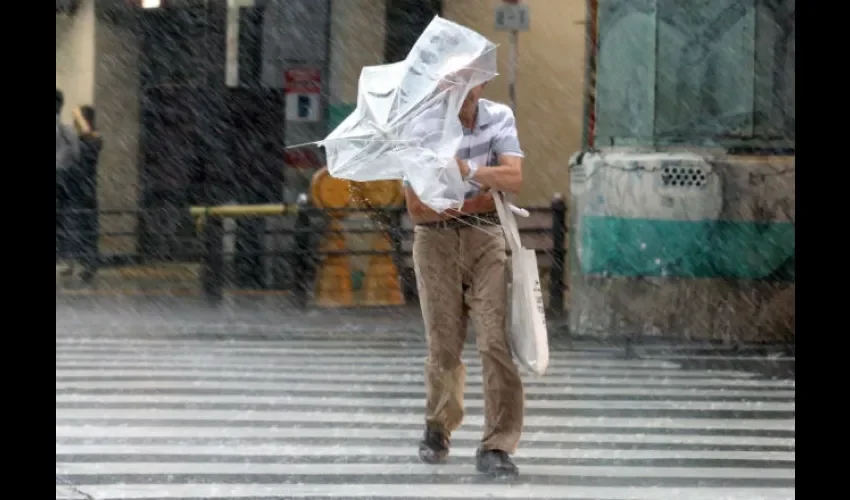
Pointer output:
x,y
318,417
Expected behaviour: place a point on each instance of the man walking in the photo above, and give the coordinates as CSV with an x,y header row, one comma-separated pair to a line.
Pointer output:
x,y
460,263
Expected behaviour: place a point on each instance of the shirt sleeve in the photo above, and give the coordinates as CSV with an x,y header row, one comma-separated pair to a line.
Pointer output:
x,y
506,141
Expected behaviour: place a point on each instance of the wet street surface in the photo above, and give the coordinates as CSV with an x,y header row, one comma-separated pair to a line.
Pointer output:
x,y
143,415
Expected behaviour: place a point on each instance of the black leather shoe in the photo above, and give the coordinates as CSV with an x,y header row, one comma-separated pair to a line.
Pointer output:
x,y
495,463
434,447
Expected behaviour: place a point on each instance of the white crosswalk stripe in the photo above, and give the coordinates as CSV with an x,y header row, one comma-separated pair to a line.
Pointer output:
x,y
156,418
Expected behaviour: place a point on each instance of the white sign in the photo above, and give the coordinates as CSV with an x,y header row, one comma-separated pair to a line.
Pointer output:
x,y
303,88
512,17
302,107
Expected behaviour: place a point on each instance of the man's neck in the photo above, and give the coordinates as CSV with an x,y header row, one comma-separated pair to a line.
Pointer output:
x,y
468,116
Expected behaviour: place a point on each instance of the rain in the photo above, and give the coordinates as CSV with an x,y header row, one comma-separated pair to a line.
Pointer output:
x,y
579,283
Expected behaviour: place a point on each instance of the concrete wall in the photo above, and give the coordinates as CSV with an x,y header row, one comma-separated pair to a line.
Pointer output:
x,y
116,98
75,60
708,262
713,257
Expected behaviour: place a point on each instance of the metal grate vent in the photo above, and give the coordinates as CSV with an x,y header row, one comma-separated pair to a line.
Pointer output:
x,y
578,175
680,176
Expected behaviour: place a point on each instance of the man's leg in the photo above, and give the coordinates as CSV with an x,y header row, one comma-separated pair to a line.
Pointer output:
x,y
88,222
438,278
484,249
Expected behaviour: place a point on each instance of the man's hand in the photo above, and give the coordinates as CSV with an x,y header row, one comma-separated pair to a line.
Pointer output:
x,y
481,203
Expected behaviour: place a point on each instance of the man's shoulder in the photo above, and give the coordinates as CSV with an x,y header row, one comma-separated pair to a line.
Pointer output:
x,y
496,111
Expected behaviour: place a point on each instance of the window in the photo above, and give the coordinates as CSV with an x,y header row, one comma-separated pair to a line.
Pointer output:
x,y
406,20
696,72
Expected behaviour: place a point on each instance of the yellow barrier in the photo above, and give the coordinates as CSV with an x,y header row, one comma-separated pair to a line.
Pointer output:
x,y
333,282
243,210
231,211
382,284
376,195
331,194
334,287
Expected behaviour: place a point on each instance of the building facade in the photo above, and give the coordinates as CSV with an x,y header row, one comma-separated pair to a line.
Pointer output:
x,y
102,58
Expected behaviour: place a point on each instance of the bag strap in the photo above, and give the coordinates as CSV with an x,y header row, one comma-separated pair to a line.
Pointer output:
x,y
507,221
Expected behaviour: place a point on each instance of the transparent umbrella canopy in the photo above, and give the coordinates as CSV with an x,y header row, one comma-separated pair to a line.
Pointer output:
x,y
406,125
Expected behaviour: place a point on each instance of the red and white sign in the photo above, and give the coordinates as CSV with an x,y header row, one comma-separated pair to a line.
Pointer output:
x,y
303,87
303,80
303,158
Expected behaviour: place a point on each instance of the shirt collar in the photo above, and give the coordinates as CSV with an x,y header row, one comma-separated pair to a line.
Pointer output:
x,y
482,117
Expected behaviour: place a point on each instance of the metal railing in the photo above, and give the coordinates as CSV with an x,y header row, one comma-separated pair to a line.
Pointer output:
x,y
304,255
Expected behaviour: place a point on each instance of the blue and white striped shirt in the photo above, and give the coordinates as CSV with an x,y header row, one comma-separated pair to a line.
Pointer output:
x,y
494,135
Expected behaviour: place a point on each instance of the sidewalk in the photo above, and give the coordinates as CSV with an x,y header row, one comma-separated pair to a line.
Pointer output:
x,y
236,315
163,279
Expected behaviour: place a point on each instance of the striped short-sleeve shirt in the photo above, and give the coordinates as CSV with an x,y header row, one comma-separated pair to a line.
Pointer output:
x,y
494,135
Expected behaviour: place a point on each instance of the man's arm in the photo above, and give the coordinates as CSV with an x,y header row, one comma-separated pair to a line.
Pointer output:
x,y
507,176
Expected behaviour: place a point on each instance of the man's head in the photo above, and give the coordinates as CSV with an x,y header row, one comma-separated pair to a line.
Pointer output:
x,y
465,70
60,100
461,70
474,95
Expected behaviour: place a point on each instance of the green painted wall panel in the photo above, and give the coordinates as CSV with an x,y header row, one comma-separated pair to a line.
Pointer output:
x,y
616,246
338,113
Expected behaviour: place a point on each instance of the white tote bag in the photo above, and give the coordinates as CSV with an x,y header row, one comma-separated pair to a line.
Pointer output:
x,y
527,331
